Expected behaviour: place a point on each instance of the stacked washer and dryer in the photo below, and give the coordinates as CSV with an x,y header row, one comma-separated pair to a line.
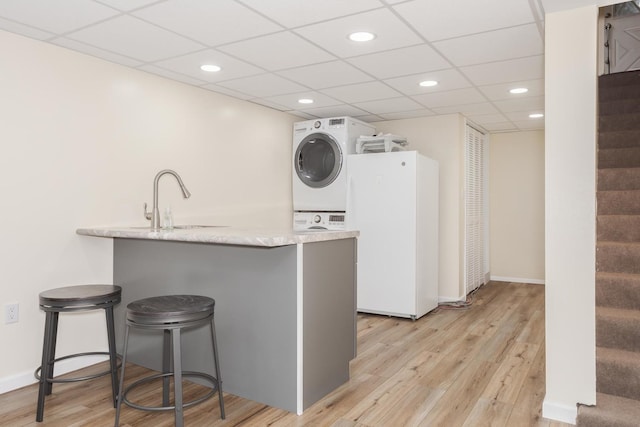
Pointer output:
x,y
391,196
320,150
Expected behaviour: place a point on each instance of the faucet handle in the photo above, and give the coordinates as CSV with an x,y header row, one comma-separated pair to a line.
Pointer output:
x,y
147,215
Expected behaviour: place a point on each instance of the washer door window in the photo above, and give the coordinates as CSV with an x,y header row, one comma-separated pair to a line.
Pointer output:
x,y
318,160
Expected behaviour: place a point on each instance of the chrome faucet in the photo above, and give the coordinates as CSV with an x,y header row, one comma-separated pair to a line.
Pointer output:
x,y
154,215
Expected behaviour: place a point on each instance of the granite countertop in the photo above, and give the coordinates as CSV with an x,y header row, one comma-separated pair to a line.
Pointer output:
x,y
220,235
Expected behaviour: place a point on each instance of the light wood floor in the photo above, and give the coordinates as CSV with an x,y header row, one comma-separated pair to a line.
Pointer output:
x,y
475,367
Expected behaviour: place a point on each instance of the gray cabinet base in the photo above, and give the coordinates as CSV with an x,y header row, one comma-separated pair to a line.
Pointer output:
x,y
285,316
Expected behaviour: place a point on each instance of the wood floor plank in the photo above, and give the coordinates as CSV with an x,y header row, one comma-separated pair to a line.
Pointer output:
x,y
479,366
488,412
507,381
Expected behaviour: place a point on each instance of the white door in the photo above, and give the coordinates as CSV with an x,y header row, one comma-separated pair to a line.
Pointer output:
x,y
624,41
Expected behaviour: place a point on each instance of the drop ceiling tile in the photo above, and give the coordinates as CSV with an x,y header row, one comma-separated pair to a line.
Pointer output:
x,y
295,13
291,100
501,91
52,17
336,111
332,35
328,74
132,37
530,124
370,118
401,62
450,98
171,75
513,70
407,115
24,30
483,119
532,103
267,103
225,91
498,45
303,115
278,51
468,109
263,85
444,19
94,51
522,116
392,105
361,92
501,127
211,22
447,80
190,65
127,5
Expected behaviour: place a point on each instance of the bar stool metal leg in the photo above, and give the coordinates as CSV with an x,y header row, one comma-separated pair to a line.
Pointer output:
x,y
52,352
166,365
113,359
217,362
45,365
122,369
177,377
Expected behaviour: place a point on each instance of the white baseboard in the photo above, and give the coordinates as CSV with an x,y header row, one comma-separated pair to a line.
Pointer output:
x,y
24,379
449,299
559,412
517,280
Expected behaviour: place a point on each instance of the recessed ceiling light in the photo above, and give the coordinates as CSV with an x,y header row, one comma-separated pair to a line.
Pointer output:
x,y
428,83
361,36
536,115
210,68
305,101
519,90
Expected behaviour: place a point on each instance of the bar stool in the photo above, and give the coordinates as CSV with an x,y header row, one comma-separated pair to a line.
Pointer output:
x,y
75,298
171,313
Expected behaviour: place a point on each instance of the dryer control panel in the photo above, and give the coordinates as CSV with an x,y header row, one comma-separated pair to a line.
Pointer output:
x,y
318,220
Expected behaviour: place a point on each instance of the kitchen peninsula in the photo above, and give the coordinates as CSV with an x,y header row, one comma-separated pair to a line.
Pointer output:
x,y
285,304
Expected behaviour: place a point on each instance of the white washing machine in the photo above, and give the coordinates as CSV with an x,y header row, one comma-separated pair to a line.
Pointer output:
x,y
320,149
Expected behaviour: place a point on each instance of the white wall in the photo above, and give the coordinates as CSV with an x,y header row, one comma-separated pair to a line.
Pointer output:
x,y
570,162
516,189
82,140
441,138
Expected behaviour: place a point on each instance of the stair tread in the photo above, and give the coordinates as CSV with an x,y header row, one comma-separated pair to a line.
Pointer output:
x,y
614,275
610,243
621,313
618,356
612,410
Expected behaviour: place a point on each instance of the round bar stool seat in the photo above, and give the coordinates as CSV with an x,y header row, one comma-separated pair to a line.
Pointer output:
x,y
171,313
68,299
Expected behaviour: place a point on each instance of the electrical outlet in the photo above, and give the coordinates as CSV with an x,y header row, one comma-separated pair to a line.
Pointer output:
x,y
11,312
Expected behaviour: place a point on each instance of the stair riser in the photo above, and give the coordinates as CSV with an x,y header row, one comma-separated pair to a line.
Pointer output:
x,y
619,139
618,228
619,179
621,258
619,122
618,379
619,158
618,202
607,81
618,333
619,92
624,106
618,292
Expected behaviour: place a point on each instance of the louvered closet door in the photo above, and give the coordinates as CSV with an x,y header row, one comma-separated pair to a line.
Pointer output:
x,y
474,218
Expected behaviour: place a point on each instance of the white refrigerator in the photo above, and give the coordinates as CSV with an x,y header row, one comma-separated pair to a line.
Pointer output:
x,y
392,198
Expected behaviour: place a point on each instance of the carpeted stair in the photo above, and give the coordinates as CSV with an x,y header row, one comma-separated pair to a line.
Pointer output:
x,y
618,256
